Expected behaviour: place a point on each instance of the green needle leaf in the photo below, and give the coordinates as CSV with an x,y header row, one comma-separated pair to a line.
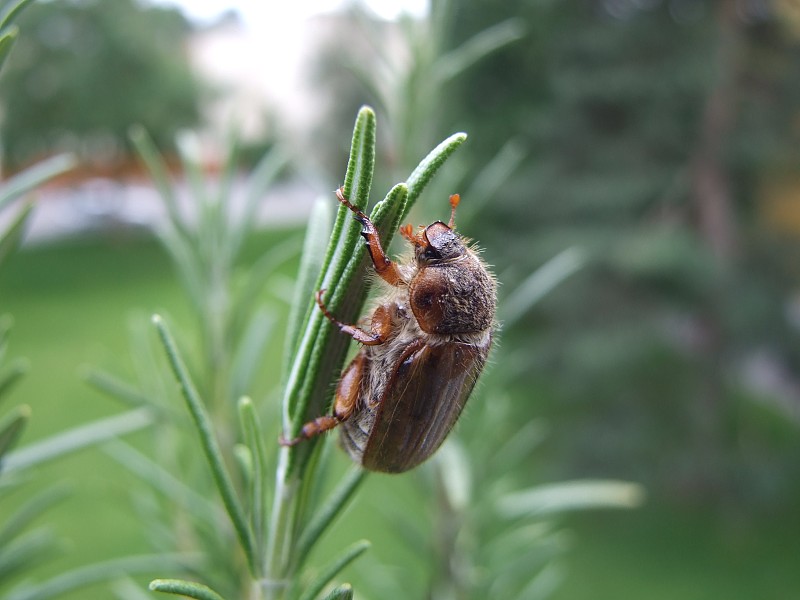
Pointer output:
x,y
326,356
7,40
74,439
311,259
332,570
11,427
210,446
163,482
363,143
254,438
477,47
571,495
11,238
10,13
158,171
362,162
316,363
542,281
26,553
388,213
33,176
32,509
60,585
116,387
184,588
325,515
265,172
342,592
426,169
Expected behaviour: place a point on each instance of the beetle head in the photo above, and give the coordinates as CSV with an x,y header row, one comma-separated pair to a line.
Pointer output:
x,y
437,242
440,244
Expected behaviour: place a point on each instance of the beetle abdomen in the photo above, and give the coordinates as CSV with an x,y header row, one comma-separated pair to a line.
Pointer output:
x,y
420,404
355,433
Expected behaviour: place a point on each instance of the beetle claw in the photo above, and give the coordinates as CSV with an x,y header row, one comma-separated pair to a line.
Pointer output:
x,y
289,443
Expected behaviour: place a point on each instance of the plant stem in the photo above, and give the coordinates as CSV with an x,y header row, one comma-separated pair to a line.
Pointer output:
x,y
284,512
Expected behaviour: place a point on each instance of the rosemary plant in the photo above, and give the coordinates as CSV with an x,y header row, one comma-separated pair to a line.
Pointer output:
x,y
274,527
318,356
204,237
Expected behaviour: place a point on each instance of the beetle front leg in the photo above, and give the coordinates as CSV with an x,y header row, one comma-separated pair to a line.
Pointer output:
x,y
347,393
384,267
380,329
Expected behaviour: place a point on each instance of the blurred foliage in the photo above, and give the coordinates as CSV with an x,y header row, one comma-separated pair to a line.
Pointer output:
x,y
86,70
401,68
478,548
649,127
645,137
233,332
233,323
24,543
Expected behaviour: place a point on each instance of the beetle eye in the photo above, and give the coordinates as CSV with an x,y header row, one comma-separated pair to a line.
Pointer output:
x,y
430,253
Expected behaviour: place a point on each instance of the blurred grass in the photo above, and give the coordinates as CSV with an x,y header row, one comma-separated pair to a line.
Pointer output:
x,y
663,553
72,305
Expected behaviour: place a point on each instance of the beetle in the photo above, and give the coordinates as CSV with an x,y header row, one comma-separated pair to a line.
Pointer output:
x,y
423,348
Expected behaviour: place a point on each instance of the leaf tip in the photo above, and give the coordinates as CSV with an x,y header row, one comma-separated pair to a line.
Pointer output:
x,y
22,366
363,544
366,111
136,132
24,412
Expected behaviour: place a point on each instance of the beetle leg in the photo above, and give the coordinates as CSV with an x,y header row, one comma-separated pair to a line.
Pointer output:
x,y
312,429
345,402
385,268
380,329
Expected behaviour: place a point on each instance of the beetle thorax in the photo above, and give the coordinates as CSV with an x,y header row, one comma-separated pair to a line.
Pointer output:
x,y
453,297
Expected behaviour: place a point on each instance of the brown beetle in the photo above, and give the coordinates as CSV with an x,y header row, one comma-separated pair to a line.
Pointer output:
x,y
427,342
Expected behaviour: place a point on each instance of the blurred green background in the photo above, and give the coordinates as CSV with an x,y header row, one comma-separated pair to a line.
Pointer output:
x,y
657,140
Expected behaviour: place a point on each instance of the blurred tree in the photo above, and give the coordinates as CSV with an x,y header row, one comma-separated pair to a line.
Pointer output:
x,y
86,70
403,68
650,126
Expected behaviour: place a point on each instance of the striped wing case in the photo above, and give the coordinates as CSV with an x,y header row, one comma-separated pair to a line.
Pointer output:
x,y
422,401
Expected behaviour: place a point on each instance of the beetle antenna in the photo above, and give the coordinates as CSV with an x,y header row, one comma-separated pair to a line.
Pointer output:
x,y
407,231
454,200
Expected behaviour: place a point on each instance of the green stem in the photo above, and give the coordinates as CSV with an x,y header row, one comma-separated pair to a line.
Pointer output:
x,y
284,513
